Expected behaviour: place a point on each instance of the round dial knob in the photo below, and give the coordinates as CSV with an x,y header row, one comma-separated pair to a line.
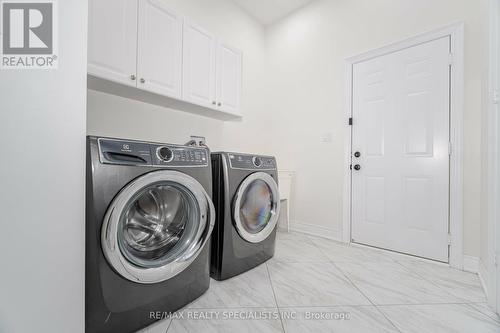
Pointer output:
x,y
257,161
165,154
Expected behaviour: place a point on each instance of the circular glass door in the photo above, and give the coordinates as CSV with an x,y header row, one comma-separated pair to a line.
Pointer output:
x,y
156,226
256,207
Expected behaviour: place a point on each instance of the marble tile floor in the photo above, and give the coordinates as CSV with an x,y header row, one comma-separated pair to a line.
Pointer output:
x,y
318,285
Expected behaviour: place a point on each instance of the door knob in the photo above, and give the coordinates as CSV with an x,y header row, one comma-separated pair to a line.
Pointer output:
x,y
357,167
357,154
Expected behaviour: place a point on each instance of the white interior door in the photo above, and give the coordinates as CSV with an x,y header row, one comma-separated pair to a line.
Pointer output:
x,y
112,51
199,66
400,194
228,78
159,65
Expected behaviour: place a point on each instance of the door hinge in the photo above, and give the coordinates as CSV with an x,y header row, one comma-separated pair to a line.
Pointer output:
x,y
450,59
350,121
449,239
450,149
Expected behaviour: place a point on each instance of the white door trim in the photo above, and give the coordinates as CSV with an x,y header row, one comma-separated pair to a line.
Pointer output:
x,y
456,33
489,272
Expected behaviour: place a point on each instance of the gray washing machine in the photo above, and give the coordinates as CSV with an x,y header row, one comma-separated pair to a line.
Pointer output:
x,y
149,218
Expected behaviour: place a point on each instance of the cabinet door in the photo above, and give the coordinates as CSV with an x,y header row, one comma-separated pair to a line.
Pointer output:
x,y
159,65
112,42
228,79
199,66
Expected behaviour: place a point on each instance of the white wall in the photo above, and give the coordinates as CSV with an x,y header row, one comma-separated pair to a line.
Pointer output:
x,y
306,53
119,117
42,130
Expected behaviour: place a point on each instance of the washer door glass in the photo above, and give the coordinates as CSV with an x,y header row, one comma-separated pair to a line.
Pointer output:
x,y
158,224
256,206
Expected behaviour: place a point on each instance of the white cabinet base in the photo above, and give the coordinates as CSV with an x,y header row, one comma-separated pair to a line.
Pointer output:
x,y
114,88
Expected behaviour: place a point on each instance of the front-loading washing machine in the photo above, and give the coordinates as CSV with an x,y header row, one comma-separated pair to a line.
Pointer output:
x,y
149,218
247,202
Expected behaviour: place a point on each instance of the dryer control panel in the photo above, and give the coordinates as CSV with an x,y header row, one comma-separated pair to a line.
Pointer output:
x,y
150,154
252,162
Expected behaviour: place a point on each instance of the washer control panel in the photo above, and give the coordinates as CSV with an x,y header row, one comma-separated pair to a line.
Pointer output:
x,y
252,162
150,154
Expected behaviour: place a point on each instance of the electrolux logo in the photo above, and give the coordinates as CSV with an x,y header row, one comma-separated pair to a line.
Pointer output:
x,y
29,34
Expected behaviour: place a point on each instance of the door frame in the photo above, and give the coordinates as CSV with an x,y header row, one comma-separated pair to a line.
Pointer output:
x,y
488,270
456,33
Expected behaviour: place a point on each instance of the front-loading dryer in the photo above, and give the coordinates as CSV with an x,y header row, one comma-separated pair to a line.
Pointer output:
x,y
149,218
247,202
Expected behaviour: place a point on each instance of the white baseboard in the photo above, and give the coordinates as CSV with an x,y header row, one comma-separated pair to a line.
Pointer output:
x,y
316,230
483,276
471,264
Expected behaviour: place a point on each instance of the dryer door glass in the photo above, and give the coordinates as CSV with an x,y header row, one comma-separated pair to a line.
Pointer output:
x,y
157,225
256,206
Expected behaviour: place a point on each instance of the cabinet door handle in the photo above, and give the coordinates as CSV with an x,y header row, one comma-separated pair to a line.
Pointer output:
x,y
132,77
143,81
219,104
214,102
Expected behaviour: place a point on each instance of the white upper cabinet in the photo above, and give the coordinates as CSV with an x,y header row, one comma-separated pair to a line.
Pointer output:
x,y
159,65
199,66
143,44
112,48
228,79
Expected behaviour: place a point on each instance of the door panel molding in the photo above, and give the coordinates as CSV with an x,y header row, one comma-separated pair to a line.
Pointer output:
x,y
456,34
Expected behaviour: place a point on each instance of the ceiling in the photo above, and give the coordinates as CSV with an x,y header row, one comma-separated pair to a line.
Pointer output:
x,y
270,11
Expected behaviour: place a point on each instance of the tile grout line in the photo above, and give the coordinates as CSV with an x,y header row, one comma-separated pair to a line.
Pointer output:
x,y
275,298
378,251
354,285
342,272
322,306
465,303
394,260
359,290
469,305
169,324
374,305
387,318
368,298
431,282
